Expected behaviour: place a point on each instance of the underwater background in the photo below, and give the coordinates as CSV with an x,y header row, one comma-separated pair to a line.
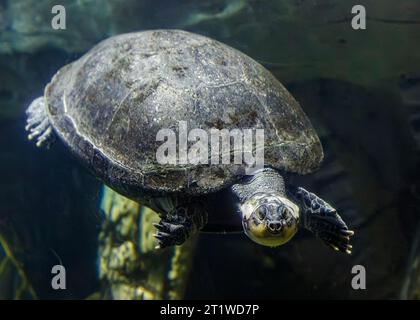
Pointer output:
x,y
360,89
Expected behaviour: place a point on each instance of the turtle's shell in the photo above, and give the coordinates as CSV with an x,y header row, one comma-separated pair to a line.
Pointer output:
x,y
109,105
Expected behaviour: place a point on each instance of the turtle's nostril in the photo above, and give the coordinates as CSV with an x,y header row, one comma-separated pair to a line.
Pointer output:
x,y
275,226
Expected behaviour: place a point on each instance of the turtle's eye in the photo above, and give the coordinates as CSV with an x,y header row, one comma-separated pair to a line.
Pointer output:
x,y
281,210
261,212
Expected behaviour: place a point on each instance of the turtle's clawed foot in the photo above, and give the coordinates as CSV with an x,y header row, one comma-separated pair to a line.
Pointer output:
x,y
173,229
170,234
324,221
335,238
38,124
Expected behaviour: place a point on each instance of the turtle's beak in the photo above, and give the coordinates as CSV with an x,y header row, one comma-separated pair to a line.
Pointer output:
x,y
270,220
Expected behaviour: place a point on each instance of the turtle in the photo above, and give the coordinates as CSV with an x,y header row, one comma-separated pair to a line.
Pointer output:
x,y
108,106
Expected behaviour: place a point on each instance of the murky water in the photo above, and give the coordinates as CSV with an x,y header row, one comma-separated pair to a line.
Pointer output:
x,y
359,88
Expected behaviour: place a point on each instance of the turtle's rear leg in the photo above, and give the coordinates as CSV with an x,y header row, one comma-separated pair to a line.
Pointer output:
x,y
179,224
38,124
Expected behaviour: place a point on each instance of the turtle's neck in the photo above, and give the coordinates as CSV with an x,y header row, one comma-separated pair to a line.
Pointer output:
x,y
266,180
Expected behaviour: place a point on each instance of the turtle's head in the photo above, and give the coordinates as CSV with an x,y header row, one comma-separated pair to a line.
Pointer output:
x,y
270,219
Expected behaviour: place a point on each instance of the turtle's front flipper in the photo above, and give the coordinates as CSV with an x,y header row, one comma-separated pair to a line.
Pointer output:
x,y
179,224
38,124
323,220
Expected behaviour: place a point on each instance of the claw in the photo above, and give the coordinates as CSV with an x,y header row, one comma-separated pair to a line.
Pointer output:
x,y
162,239
334,247
159,226
348,250
347,232
161,235
344,237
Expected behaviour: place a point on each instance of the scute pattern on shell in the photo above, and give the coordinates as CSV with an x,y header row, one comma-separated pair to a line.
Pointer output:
x,y
109,105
